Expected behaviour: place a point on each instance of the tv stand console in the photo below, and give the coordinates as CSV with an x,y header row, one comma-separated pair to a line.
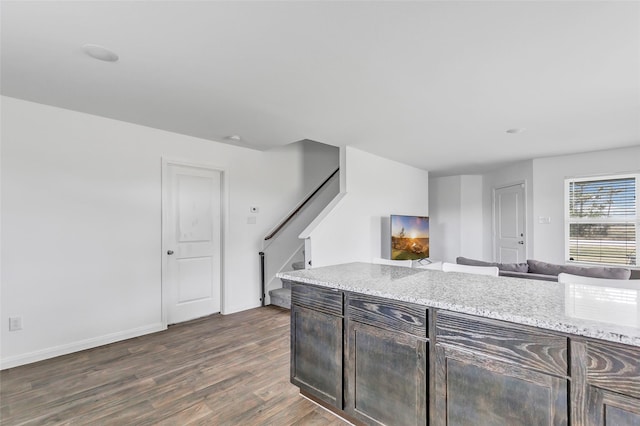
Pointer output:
x,y
389,345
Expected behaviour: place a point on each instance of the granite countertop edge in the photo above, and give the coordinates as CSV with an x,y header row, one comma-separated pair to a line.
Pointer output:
x,y
584,328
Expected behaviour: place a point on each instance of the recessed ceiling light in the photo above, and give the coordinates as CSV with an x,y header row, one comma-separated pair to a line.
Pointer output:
x,y
515,130
235,138
100,52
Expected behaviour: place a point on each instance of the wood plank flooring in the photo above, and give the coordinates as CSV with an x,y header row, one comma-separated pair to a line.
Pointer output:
x,y
219,370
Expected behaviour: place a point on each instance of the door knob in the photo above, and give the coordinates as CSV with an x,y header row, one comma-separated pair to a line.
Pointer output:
x,y
519,242
169,252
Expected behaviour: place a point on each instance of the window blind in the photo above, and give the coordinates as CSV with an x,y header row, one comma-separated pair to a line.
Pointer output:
x,y
603,220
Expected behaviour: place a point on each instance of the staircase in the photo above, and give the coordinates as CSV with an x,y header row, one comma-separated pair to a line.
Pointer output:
x,y
282,247
282,296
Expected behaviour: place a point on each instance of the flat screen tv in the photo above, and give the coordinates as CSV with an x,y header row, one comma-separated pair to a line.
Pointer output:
x,y
409,237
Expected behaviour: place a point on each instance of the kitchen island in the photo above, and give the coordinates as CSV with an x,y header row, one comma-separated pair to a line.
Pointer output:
x,y
389,345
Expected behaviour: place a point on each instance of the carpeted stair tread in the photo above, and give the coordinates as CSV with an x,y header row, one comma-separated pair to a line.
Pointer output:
x,y
281,297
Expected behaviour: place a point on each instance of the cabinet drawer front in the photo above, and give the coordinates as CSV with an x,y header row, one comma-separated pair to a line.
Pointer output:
x,y
317,298
616,368
520,345
388,314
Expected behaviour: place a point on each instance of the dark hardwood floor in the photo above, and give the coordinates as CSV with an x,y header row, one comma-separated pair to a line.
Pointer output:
x,y
219,370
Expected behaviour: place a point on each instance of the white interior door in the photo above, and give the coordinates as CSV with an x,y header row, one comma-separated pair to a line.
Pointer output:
x,y
191,243
509,224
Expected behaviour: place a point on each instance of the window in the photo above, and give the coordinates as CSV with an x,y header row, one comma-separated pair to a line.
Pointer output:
x,y
602,220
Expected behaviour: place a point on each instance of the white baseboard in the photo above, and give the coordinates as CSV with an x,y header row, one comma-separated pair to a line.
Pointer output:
x,y
240,308
17,360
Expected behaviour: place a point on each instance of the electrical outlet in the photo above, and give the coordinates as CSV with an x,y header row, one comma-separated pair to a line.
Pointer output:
x,y
15,323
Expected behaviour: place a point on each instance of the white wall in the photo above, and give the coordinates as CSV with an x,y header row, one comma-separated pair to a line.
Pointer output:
x,y
81,199
520,172
374,188
548,192
320,160
444,218
456,217
471,220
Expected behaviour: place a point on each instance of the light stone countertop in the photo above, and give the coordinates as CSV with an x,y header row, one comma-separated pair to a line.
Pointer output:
x,y
610,314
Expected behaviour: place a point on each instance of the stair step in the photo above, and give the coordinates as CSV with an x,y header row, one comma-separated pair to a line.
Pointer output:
x,y
281,297
298,265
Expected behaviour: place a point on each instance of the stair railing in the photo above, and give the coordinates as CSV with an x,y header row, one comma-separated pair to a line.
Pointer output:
x,y
284,223
299,207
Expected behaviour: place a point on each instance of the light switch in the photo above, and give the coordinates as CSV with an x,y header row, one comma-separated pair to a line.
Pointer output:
x,y
251,220
545,220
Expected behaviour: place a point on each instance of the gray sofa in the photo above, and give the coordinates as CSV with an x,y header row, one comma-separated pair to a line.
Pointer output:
x,y
537,270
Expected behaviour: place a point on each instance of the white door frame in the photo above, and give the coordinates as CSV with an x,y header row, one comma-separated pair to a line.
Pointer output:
x,y
494,247
224,226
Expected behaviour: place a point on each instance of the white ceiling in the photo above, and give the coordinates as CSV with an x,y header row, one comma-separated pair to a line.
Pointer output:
x,y
431,84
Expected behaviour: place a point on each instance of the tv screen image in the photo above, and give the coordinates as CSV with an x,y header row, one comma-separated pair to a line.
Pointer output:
x,y
409,237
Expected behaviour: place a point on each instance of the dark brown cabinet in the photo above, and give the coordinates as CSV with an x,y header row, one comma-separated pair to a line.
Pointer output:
x,y
386,362
382,361
316,343
489,372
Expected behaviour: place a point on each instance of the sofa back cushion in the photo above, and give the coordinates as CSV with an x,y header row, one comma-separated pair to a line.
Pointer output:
x,y
513,267
538,267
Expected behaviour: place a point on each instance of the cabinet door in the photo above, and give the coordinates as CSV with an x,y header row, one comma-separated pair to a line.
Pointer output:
x,y
386,374
612,409
612,376
316,354
472,388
